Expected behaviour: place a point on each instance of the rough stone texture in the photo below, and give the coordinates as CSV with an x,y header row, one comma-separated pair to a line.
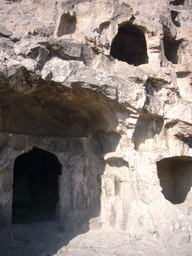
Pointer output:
x,y
116,115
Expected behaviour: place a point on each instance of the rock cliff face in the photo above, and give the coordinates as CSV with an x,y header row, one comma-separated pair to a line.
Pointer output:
x,y
105,86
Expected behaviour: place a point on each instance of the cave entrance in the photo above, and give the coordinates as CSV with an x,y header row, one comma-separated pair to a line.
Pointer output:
x,y
177,2
129,45
35,187
175,175
171,47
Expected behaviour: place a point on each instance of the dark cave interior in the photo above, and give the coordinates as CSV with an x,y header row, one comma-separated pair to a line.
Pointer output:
x,y
174,15
177,2
175,175
129,45
171,48
35,187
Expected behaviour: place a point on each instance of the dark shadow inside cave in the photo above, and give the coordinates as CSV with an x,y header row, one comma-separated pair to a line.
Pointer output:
x,y
174,15
129,45
171,48
175,175
177,2
35,187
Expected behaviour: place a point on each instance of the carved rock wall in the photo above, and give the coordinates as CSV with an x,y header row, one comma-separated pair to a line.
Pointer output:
x,y
114,76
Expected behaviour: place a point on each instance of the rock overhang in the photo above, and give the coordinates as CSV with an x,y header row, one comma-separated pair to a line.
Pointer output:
x,y
30,105
70,86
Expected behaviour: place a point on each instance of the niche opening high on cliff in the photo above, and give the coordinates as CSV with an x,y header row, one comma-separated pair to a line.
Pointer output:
x,y
129,45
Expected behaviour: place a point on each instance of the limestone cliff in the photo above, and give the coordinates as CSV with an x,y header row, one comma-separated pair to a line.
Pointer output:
x,y
105,86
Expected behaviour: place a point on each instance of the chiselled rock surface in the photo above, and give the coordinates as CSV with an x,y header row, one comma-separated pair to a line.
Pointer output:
x,y
105,86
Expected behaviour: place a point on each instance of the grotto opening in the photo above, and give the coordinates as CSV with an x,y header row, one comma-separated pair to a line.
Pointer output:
x,y
129,45
92,82
175,175
177,2
171,48
35,186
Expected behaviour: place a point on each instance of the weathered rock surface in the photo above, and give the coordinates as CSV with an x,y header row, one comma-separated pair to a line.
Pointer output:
x,y
105,86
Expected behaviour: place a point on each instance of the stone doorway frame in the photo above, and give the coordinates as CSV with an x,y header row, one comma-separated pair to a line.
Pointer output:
x,y
68,214
29,169
14,147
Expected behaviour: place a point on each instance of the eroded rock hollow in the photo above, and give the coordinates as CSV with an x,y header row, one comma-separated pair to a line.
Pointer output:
x,y
96,116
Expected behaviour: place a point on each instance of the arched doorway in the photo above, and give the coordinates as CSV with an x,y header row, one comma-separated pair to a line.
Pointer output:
x,y
35,186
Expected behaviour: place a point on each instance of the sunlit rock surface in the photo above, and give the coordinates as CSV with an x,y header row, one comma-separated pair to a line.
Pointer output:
x,y
105,87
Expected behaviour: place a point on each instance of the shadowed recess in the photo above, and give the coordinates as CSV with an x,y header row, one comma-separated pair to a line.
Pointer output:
x,y
171,48
175,175
50,109
129,45
35,186
67,25
174,15
177,2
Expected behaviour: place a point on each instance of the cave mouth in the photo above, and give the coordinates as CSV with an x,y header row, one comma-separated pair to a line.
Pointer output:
x,y
171,47
129,45
177,2
175,175
35,187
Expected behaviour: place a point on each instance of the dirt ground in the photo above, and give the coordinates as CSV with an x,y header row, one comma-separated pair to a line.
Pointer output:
x,y
46,239
40,238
